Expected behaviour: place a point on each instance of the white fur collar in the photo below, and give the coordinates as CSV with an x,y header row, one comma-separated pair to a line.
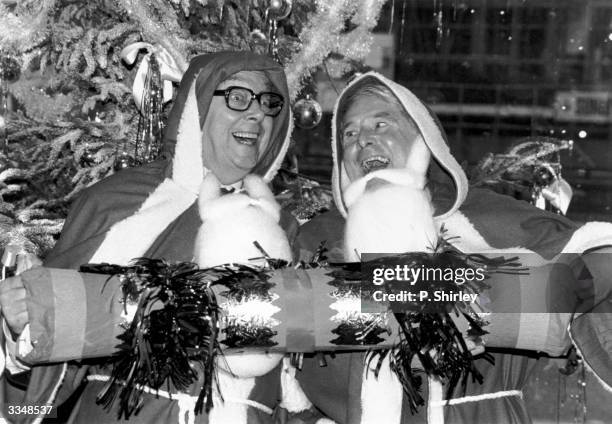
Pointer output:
x,y
402,177
131,237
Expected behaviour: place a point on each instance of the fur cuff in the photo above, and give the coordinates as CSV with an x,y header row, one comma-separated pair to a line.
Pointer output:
x,y
294,399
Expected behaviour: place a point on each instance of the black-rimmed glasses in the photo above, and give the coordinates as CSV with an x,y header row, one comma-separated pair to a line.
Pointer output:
x,y
241,98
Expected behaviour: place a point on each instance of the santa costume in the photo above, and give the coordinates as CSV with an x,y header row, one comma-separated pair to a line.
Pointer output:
x,y
149,211
476,221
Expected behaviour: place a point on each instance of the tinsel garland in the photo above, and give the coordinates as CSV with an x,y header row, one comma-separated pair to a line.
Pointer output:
x,y
427,330
531,162
175,323
325,34
302,196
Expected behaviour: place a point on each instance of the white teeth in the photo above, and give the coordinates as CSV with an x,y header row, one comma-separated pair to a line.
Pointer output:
x,y
245,134
246,137
374,162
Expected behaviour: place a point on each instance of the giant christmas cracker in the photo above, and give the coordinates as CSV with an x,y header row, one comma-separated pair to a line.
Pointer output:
x,y
76,315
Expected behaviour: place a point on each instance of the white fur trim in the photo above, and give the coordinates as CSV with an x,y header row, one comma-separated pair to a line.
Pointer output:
x,y
479,398
605,385
381,397
226,411
402,177
187,166
230,225
131,237
435,409
403,213
293,398
54,392
248,364
325,421
231,409
278,161
591,234
430,131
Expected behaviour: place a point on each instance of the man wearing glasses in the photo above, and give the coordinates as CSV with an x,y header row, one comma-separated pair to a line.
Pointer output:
x,y
239,125
230,118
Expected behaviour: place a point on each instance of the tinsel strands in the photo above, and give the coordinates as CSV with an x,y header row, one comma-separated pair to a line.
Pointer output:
x,y
273,38
532,152
3,113
323,35
148,139
176,322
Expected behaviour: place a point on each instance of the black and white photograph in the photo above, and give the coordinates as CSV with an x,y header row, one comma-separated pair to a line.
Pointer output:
x,y
306,211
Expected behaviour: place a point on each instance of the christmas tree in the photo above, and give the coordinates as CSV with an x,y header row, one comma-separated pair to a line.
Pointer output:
x,y
80,90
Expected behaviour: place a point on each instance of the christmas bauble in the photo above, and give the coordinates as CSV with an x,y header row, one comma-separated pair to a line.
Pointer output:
x,y
543,177
307,112
279,9
10,68
123,161
259,39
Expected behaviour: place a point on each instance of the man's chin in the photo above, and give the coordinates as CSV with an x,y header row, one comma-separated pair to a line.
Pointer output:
x,y
244,163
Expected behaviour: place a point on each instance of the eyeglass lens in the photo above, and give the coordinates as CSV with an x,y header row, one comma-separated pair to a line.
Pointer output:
x,y
240,99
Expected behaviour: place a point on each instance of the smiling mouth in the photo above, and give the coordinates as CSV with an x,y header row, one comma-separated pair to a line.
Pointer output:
x,y
246,137
374,163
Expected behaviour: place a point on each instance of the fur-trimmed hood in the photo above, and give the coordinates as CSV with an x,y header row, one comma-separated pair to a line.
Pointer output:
x,y
182,137
443,168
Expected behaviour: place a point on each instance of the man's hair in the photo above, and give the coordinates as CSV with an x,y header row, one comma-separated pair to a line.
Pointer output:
x,y
372,89
262,74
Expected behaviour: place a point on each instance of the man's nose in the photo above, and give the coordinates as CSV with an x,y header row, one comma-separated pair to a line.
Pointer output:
x,y
366,137
254,112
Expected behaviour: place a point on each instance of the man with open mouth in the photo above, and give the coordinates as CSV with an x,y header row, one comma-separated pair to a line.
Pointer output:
x,y
230,118
393,165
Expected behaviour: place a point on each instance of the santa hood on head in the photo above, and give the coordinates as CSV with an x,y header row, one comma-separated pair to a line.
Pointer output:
x,y
183,135
134,212
443,168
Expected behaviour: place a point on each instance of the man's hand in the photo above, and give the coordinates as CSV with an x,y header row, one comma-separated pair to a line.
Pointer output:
x,y
13,304
476,347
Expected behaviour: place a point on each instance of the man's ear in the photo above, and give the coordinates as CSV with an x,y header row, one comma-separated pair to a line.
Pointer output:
x,y
419,158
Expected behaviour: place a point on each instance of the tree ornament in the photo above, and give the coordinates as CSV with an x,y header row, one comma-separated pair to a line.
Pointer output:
x,y
308,113
148,138
10,69
123,161
279,9
87,159
259,39
544,176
